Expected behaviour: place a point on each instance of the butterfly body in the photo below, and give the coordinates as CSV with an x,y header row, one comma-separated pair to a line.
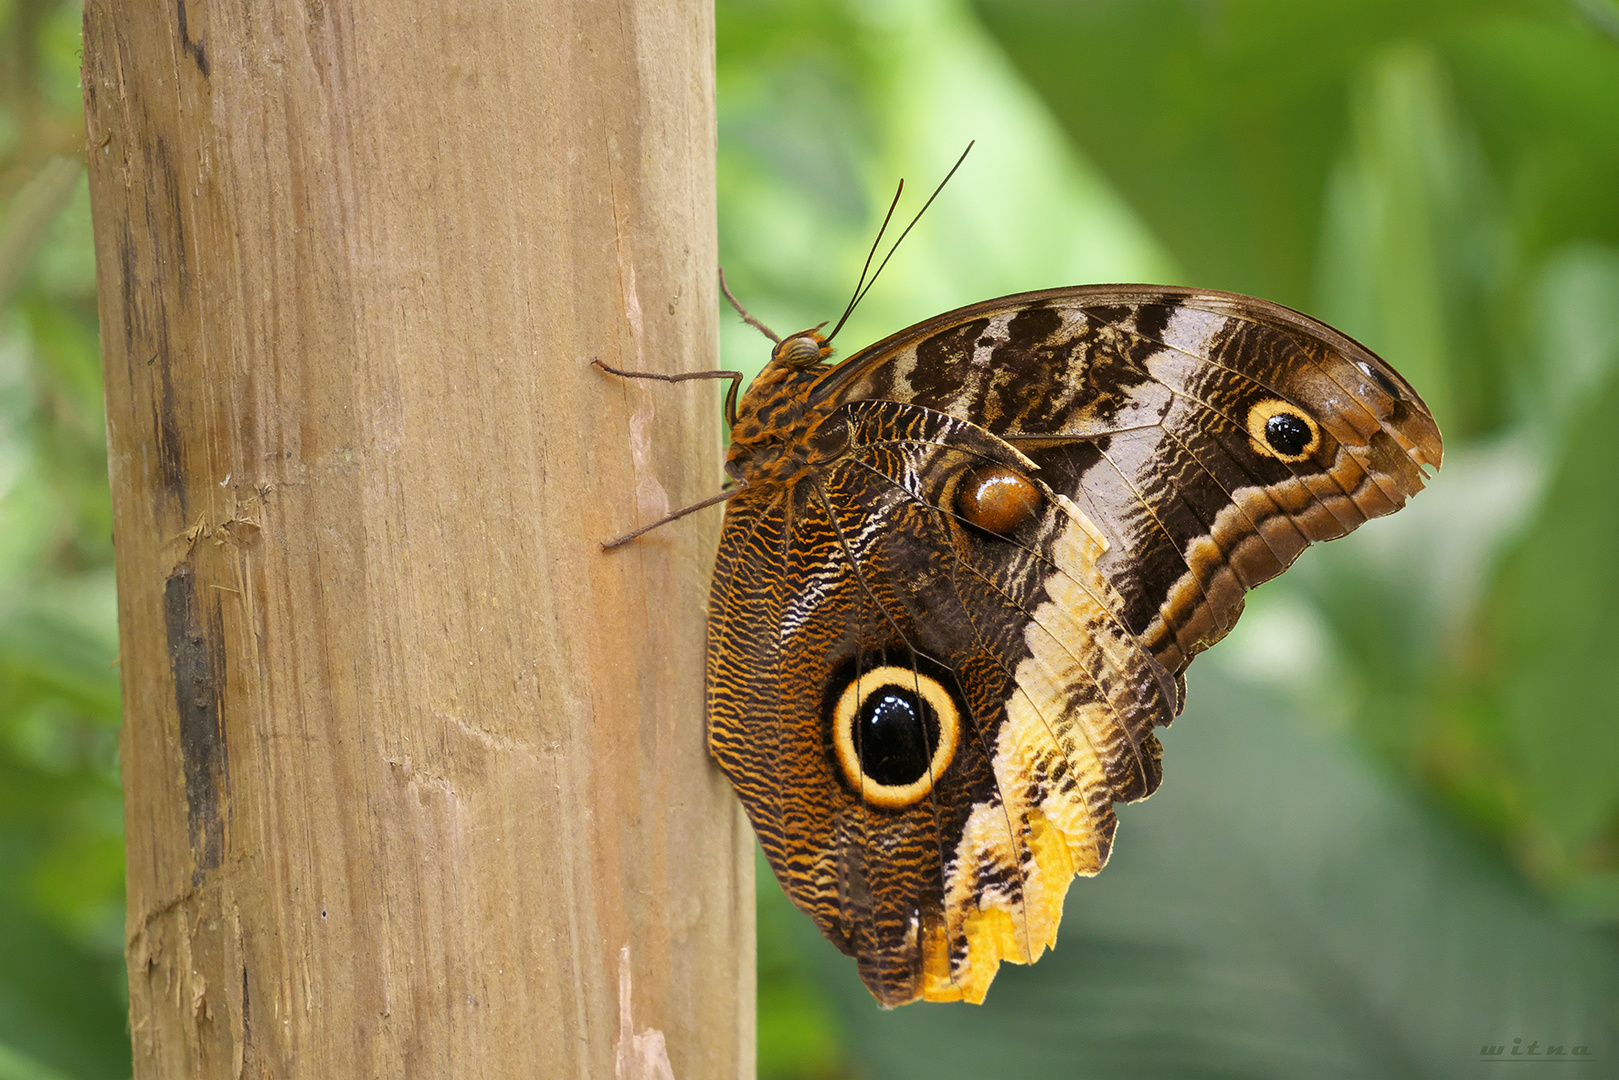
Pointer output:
x,y
774,438
967,568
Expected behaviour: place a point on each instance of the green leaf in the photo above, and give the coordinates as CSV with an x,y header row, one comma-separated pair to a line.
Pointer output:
x,y
29,218
1575,324
1550,656
1210,119
58,1007
16,1066
1223,122
1390,166
800,1037
1416,252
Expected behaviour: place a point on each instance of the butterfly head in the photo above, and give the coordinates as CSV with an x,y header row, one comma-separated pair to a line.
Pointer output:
x,y
803,350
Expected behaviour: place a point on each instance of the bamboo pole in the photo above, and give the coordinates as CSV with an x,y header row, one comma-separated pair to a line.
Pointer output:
x,y
415,774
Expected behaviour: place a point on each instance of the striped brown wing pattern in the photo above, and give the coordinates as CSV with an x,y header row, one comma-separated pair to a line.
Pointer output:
x,y
970,564
1138,402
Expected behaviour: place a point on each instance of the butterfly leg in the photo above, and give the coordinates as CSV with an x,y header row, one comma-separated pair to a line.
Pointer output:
x,y
736,378
731,470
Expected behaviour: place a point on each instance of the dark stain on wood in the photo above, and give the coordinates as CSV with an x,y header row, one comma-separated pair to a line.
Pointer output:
x,y
170,450
194,49
165,179
197,657
126,286
147,311
247,1020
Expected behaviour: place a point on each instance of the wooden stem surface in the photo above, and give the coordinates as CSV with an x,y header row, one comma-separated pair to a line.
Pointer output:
x,y
416,782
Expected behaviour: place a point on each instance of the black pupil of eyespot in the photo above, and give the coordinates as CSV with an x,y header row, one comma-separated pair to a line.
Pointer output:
x,y
895,733
1287,433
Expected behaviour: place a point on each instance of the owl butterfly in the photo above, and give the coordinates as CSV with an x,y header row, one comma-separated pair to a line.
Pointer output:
x,y
963,571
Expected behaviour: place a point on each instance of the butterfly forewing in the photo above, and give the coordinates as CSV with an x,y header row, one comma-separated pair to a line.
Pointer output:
x,y
1141,398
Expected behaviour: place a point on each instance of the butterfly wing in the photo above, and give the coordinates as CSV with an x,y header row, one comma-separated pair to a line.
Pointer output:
x,y
1147,406
1027,658
866,581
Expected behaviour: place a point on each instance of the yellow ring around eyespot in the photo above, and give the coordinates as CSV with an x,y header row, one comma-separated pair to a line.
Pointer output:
x,y
1260,415
854,695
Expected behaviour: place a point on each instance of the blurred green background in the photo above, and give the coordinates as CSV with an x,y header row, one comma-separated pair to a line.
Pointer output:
x,y
1388,834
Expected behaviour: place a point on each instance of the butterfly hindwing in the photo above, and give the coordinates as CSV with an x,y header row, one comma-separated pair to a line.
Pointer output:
x,y
966,571
1052,699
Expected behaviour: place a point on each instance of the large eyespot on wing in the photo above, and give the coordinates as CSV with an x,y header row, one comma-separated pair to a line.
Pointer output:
x,y
894,731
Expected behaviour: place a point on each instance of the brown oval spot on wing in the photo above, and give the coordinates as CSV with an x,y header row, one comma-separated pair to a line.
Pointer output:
x,y
996,498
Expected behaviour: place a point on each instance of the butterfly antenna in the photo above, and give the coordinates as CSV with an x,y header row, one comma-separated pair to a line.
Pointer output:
x,y
860,294
854,298
742,311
